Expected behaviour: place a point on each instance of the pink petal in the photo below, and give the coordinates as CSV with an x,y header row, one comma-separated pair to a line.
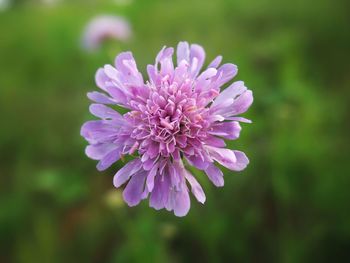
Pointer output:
x,y
98,151
181,201
166,62
243,102
109,159
216,62
235,89
150,177
126,172
125,63
118,95
195,188
228,130
240,119
183,52
160,192
223,156
101,78
100,98
215,175
104,112
242,161
133,192
197,161
197,54
225,73
214,141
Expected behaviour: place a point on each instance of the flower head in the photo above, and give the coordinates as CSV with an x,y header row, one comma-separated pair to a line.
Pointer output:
x,y
179,114
105,27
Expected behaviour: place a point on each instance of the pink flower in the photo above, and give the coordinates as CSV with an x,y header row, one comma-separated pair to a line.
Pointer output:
x,y
179,114
105,27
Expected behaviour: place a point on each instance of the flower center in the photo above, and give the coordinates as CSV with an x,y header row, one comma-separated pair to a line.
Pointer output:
x,y
169,117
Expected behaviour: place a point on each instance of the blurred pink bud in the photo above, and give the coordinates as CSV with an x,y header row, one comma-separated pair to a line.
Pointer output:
x,y
105,27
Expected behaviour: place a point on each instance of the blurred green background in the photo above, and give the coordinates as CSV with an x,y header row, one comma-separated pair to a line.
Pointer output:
x,y
290,205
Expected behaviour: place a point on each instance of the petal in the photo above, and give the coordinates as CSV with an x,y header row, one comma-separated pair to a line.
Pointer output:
x,y
153,149
204,80
118,95
223,108
164,57
207,74
104,112
181,202
111,72
100,98
225,157
214,141
215,117
126,172
233,160
133,192
242,161
125,63
176,177
215,175
197,57
216,62
148,164
99,131
196,189
235,89
98,151
181,72
243,102
241,119
150,177
228,130
197,161
225,73
109,159
183,52
231,107
152,74
160,192
101,78
120,65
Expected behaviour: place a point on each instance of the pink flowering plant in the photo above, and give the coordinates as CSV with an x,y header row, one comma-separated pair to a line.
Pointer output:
x,y
105,27
179,116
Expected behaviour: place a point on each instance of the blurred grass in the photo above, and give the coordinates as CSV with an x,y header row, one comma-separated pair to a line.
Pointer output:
x,y
289,205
